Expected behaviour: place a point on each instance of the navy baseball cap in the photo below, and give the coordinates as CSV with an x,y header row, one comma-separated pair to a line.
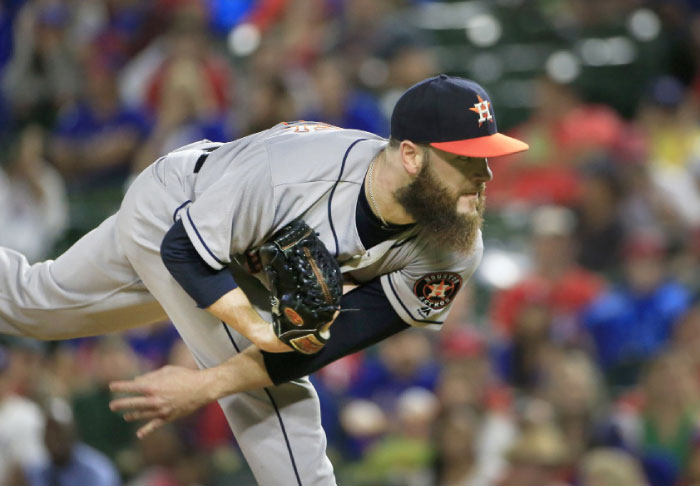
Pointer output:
x,y
451,114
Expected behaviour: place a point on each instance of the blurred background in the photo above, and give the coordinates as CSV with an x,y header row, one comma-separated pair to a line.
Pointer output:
x,y
573,355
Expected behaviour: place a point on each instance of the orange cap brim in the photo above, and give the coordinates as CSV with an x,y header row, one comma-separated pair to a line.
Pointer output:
x,y
495,145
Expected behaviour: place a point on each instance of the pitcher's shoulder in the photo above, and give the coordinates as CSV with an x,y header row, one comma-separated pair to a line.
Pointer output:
x,y
302,131
312,152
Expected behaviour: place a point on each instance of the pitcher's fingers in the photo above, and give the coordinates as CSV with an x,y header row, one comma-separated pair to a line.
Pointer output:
x,y
142,415
132,404
150,427
127,386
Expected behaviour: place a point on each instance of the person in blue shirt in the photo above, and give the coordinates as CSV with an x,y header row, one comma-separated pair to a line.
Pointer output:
x,y
338,103
71,462
630,324
95,140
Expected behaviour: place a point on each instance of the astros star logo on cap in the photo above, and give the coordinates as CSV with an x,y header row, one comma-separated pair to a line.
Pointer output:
x,y
482,108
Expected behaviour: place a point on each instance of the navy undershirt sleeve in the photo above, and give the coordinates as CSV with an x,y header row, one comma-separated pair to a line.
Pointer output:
x,y
353,330
204,284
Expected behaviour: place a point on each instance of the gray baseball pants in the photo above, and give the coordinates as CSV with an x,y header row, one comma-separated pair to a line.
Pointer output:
x,y
113,279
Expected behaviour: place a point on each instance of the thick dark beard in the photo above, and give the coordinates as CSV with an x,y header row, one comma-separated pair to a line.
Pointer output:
x,y
430,203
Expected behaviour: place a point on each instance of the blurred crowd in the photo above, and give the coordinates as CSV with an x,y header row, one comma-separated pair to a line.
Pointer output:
x,y
572,358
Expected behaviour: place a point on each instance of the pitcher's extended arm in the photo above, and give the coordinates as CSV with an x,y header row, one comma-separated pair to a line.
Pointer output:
x,y
172,392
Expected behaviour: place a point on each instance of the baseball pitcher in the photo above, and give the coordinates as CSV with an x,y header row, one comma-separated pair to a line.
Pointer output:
x,y
246,247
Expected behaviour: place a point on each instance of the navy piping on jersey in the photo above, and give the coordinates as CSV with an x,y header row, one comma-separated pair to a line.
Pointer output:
x,y
200,162
330,198
179,208
202,240
274,405
202,158
391,285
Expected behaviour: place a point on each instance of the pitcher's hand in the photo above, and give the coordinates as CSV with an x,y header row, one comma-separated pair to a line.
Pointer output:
x,y
160,396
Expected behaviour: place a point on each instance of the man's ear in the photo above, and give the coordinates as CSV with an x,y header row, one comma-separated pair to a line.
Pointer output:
x,y
412,157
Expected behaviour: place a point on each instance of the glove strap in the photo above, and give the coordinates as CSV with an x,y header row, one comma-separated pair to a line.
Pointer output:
x,y
308,344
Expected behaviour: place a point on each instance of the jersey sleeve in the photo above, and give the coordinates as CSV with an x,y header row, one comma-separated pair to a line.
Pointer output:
x,y
233,213
422,293
201,282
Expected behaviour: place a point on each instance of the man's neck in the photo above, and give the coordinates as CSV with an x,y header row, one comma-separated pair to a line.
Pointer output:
x,y
385,173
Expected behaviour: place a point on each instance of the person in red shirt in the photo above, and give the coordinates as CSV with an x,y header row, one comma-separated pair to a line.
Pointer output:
x,y
563,132
555,281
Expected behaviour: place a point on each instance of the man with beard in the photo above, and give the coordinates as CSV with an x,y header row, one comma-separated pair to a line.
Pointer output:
x,y
401,218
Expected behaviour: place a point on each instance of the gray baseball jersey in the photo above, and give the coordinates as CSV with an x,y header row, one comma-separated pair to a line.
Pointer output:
x,y
231,197
316,171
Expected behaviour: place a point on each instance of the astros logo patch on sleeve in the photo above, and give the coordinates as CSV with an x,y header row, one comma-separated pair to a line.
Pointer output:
x,y
436,290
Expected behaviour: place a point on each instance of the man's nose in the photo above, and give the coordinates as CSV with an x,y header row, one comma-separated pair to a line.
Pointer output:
x,y
483,173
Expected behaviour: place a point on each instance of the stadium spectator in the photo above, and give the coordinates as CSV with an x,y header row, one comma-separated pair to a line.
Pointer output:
x,y
539,457
167,459
110,359
464,453
189,49
465,379
33,201
403,453
670,123
268,103
117,30
686,337
631,323
521,358
669,418
95,140
188,95
402,362
336,102
456,459
563,131
42,77
572,385
555,281
71,462
153,344
599,232
21,428
610,467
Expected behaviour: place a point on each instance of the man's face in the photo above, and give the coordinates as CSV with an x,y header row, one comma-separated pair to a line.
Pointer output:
x,y
447,197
